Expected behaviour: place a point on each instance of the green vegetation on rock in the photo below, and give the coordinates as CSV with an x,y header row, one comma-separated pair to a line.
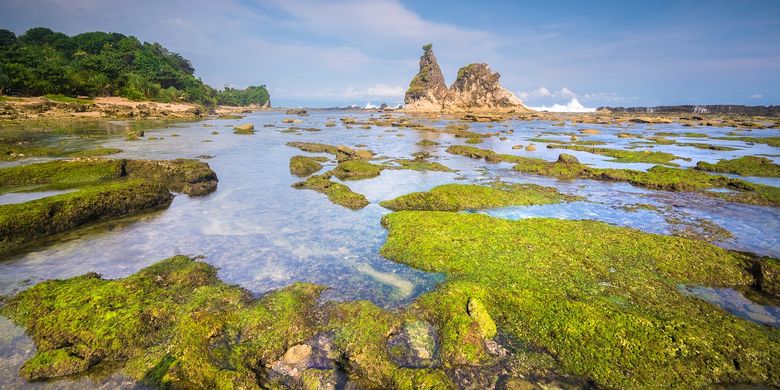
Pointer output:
x,y
244,128
453,197
303,166
771,141
356,170
744,166
602,299
625,156
105,188
657,177
419,164
337,193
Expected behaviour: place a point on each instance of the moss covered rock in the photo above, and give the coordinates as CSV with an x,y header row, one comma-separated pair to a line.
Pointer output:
x,y
303,166
356,170
244,128
337,193
743,166
105,188
453,197
602,299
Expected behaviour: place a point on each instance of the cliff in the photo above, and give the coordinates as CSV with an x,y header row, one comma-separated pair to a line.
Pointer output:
x,y
476,89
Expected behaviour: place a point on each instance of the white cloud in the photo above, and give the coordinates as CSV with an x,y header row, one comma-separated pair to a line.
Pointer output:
x,y
573,105
756,96
378,91
545,92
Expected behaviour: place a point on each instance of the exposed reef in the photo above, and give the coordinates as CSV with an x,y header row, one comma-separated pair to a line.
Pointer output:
x,y
596,305
454,197
657,177
743,166
104,188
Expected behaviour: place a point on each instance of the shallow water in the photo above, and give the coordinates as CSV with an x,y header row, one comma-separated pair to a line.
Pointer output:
x,y
262,234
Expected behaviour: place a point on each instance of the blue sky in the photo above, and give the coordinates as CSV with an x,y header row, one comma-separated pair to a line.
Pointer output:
x,y
327,53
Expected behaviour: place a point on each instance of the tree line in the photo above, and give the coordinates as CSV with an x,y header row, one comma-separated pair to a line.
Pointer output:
x,y
42,61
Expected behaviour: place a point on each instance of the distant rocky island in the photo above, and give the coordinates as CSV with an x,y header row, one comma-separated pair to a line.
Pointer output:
x,y
476,89
733,109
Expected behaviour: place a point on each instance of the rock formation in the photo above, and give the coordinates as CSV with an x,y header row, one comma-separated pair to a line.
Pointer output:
x,y
475,90
427,91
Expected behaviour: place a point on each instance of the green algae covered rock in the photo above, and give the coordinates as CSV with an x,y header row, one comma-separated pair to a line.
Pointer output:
x,y
104,188
453,197
244,128
173,324
303,166
337,193
602,299
480,315
743,166
25,222
356,170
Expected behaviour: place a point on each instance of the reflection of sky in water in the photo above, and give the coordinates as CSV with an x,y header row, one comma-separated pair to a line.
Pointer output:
x,y
19,197
735,303
262,234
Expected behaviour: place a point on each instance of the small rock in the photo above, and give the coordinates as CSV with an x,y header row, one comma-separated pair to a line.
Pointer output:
x,y
590,131
530,147
516,147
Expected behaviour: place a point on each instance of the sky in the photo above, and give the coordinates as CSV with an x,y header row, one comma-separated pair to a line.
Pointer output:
x,y
563,54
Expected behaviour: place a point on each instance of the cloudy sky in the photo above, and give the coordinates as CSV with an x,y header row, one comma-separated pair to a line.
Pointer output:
x,y
571,53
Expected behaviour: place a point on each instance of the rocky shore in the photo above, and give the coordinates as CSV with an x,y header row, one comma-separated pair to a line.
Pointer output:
x,y
107,107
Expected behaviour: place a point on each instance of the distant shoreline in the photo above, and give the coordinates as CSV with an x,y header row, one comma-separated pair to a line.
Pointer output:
x,y
42,107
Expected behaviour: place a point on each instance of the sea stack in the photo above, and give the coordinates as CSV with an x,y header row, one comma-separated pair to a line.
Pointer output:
x,y
476,89
427,91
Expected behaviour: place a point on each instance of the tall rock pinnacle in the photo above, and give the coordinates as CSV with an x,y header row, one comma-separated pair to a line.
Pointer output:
x,y
427,91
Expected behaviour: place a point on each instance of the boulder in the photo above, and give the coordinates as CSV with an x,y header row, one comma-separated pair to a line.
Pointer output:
x,y
567,159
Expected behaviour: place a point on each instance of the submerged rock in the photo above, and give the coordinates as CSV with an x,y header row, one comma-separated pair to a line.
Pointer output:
x,y
244,128
415,345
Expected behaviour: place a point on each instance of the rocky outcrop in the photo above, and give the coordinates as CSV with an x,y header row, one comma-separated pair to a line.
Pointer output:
x,y
427,91
476,89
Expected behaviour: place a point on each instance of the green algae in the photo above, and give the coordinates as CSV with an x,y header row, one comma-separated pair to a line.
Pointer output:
x,y
453,197
743,166
337,193
244,128
602,299
625,156
60,174
419,164
657,177
105,188
427,142
771,141
342,153
303,166
356,170
26,222
215,334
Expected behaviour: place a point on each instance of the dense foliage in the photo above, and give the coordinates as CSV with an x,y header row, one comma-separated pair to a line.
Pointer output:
x,y
243,97
42,61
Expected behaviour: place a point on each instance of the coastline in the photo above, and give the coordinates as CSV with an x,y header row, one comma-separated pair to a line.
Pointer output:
x,y
40,107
